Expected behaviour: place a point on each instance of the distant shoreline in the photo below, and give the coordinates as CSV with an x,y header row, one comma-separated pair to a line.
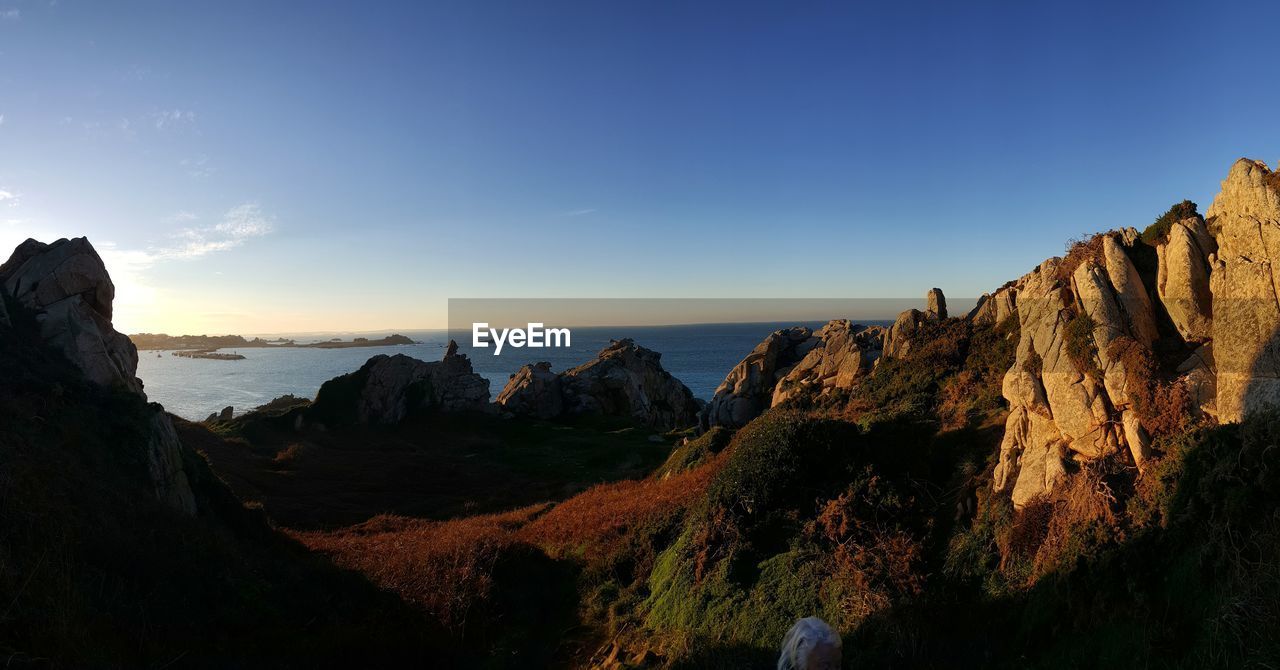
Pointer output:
x,y
207,344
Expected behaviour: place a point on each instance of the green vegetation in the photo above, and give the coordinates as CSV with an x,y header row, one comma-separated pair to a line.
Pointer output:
x,y
1081,348
1158,231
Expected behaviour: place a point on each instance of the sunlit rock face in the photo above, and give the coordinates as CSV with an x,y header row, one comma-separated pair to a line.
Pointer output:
x,y
843,353
1215,284
1245,221
748,389
791,363
1063,407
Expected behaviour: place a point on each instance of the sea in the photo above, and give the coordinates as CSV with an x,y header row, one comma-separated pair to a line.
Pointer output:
x,y
193,388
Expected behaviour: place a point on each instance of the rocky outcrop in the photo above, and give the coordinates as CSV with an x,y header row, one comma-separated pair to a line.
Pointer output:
x,y
66,286
935,304
748,389
386,389
1183,278
1245,220
1070,391
843,353
533,391
791,363
1068,387
897,340
623,380
68,290
994,308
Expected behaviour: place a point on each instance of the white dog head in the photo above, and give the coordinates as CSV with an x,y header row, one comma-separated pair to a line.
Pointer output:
x,y
810,645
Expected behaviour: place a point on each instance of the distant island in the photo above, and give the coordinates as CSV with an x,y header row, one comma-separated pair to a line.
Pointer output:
x,y
212,355
207,344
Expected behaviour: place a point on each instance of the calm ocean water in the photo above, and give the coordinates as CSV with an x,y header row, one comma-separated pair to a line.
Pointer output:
x,y
698,355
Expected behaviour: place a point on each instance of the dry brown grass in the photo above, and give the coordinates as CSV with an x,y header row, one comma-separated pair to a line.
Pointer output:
x,y
876,558
445,567
1163,407
600,522
1079,251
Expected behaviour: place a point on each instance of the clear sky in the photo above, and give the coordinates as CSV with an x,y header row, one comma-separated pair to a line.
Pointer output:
x,y
284,166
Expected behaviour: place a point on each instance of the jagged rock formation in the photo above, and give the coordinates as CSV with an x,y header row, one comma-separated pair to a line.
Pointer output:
x,y
897,340
386,389
1067,390
67,287
1071,390
792,362
534,391
993,308
1245,220
843,353
748,389
624,379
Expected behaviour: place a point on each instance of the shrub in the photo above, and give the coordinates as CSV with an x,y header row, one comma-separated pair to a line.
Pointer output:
x,y
289,455
877,556
1162,407
910,386
1079,251
695,452
1158,231
1080,346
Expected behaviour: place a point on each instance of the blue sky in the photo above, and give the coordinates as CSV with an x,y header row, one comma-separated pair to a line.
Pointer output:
x,y
278,166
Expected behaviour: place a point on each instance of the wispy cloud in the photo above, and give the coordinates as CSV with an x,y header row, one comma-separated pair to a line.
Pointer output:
x,y
198,166
9,198
10,14
578,212
172,118
135,292
1,119
239,225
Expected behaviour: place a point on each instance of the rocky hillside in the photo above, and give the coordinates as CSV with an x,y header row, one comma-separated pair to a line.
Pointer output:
x,y
120,547
1081,472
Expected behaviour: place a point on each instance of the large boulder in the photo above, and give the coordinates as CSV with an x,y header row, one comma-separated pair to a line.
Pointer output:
x,y
994,308
748,389
66,286
626,379
386,389
1183,278
936,303
534,391
843,353
1245,220
623,380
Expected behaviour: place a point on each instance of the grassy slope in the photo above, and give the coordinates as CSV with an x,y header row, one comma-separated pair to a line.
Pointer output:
x,y
435,467
871,509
